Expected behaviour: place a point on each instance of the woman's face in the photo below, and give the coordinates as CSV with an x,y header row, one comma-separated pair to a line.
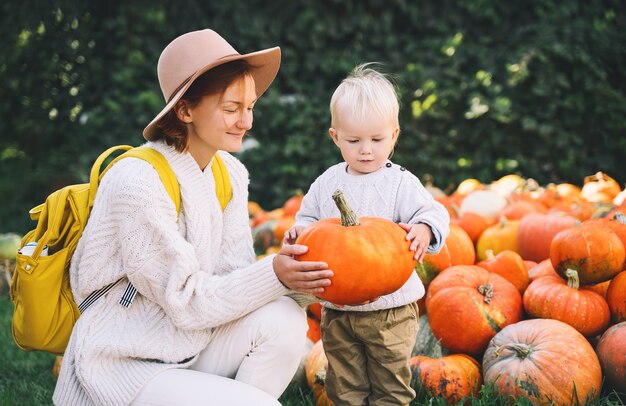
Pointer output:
x,y
220,121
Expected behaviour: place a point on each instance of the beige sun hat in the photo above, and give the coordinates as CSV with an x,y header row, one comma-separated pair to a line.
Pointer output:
x,y
192,54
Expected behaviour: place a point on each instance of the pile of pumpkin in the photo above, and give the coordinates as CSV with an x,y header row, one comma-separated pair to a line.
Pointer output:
x,y
528,293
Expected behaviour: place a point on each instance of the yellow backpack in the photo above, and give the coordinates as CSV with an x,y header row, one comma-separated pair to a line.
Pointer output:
x,y
44,307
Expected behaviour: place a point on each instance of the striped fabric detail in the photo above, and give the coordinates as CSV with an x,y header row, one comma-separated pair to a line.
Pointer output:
x,y
126,300
129,295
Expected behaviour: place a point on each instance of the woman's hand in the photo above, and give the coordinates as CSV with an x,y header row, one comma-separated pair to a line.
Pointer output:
x,y
301,276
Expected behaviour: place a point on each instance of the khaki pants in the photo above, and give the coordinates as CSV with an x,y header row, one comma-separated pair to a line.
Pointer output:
x,y
368,355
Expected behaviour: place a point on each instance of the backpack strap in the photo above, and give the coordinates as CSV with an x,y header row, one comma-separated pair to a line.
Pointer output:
x,y
152,156
223,188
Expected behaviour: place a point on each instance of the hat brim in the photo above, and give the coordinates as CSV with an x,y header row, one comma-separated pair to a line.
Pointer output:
x,y
265,68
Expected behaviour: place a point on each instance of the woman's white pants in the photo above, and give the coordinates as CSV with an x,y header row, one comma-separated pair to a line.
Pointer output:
x,y
250,361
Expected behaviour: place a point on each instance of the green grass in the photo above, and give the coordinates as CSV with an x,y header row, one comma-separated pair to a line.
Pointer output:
x,y
26,378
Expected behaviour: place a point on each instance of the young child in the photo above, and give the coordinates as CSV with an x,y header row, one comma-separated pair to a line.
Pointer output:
x,y
369,345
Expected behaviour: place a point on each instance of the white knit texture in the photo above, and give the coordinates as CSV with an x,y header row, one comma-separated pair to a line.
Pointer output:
x,y
192,273
391,192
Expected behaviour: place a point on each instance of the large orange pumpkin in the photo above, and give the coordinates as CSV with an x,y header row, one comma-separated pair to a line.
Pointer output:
x,y
370,256
551,297
611,350
467,305
616,297
509,265
545,361
595,252
536,231
451,377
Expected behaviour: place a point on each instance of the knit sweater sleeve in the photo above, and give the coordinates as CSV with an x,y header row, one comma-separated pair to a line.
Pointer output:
x,y
164,267
415,204
310,207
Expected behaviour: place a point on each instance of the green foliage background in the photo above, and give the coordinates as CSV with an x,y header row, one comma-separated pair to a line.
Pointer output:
x,y
488,87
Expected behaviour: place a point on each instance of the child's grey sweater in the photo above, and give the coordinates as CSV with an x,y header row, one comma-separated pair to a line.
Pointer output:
x,y
392,192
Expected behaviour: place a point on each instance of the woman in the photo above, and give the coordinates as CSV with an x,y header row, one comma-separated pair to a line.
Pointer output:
x,y
204,312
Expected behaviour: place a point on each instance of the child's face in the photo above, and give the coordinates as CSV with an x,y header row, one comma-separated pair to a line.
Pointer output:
x,y
365,144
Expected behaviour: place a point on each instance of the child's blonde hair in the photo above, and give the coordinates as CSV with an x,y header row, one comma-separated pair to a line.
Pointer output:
x,y
366,91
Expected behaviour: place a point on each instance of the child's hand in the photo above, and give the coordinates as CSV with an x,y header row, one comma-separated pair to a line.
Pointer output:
x,y
292,234
420,236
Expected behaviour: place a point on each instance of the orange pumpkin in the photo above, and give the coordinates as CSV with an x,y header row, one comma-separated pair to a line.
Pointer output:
x,y
600,288
551,297
616,297
617,224
520,208
509,265
596,253
467,305
611,345
457,250
545,361
536,231
282,226
370,256
451,377
498,237
315,369
473,223
316,310
292,205
313,333
543,268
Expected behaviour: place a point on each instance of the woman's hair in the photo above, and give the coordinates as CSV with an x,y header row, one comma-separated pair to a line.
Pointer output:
x,y
365,91
214,81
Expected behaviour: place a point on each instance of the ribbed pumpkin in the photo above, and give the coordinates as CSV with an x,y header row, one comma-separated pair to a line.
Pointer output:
x,y
467,305
611,350
551,297
616,297
370,256
545,361
595,252
498,237
451,377
616,223
536,231
509,265
457,250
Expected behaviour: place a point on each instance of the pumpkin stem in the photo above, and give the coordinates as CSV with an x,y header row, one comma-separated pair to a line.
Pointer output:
x,y
487,291
572,278
348,216
521,350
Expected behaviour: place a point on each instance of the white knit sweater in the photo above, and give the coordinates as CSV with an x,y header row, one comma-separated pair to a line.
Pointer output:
x,y
192,274
391,192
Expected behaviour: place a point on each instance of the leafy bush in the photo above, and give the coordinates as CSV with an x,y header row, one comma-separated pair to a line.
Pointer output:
x,y
488,88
